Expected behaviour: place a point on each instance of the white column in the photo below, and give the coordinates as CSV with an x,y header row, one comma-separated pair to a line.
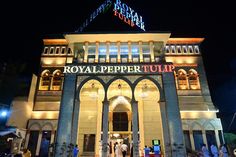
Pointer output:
x,y
52,136
204,137
151,51
191,139
107,52
39,143
118,53
96,52
140,51
86,53
130,52
27,139
217,138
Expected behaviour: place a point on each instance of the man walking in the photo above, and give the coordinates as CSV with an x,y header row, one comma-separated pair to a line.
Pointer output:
x,y
124,149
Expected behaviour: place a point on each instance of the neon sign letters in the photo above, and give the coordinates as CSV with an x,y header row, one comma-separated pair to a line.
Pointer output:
x,y
128,15
119,69
121,10
101,9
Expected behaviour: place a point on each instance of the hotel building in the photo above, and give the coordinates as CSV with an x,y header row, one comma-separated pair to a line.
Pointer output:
x,y
94,89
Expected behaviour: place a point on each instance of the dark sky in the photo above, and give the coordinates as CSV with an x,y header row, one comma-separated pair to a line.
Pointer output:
x,y
25,23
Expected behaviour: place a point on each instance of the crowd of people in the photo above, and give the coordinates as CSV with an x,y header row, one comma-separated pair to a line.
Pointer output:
x,y
214,151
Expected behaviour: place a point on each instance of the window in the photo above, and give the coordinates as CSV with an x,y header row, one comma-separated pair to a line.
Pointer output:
x,y
51,50
57,80
91,53
135,52
69,51
193,79
57,50
63,49
45,81
113,52
179,49
172,49
80,54
167,49
185,49
45,50
102,50
190,49
124,52
196,49
146,52
182,79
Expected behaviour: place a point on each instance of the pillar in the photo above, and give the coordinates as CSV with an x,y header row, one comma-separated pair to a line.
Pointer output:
x,y
217,138
75,122
105,128
140,51
66,113
173,116
204,138
129,52
27,138
151,47
134,105
86,53
39,143
52,136
191,139
118,52
165,130
107,52
96,52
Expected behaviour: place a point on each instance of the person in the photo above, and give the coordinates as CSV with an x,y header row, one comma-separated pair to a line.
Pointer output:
x,y
124,149
146,151
131,151
75,151
205,151
214,150
108,150
223,151
26,153
118,150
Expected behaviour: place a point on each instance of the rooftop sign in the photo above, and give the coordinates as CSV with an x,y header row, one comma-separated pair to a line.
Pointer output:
x,y
121,10
128,15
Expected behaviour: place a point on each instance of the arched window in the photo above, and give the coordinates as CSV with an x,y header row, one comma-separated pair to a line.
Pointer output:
x,y
44,80
193,79
182,79
57,80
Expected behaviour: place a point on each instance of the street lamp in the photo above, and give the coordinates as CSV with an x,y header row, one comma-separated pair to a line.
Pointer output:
x,y
3,114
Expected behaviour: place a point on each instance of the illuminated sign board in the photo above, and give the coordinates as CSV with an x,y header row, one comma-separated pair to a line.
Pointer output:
x,y
128,15
121,10
118,69
101,9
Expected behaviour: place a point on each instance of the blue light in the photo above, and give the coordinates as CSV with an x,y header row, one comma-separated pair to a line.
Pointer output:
x,y
4,113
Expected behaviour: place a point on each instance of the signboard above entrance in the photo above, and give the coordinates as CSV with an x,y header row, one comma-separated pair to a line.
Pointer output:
x,y
118,69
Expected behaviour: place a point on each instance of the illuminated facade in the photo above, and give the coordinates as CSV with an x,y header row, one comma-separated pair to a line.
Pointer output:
x,y
94,89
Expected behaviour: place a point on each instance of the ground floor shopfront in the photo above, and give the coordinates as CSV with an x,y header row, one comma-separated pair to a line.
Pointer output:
x,y
134,109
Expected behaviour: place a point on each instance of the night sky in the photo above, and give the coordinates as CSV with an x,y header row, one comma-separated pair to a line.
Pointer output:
x,y
24,25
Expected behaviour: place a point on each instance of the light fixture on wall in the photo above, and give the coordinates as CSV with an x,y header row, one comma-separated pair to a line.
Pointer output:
x,y
93,92
144,91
